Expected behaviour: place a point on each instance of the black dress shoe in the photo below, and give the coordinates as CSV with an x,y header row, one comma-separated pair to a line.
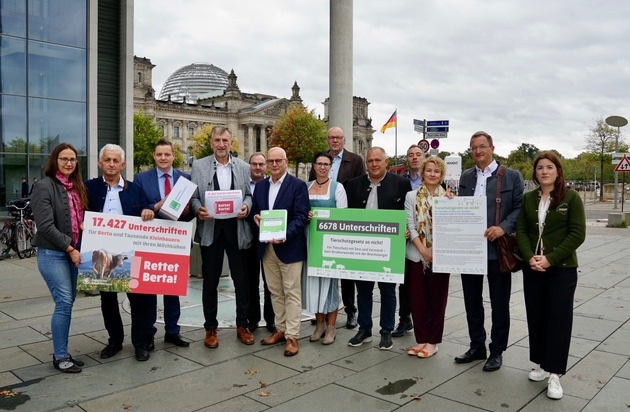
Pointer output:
x,y
176,340
142,354
471,355
493,363
151,345
351,323
110,350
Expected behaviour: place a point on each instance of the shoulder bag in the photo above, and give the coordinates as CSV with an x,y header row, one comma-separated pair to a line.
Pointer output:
x,y
507,250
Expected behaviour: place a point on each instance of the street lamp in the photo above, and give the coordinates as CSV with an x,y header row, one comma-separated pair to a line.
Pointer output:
x,y
616,121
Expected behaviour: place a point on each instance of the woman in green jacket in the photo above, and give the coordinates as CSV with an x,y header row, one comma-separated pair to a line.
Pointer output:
x,y
550,228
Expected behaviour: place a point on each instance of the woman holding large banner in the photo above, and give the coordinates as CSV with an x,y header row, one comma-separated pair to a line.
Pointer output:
x,y
59,201
428,291
322,294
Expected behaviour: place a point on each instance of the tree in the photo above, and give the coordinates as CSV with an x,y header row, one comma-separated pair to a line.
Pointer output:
x,y
201,143
145,136
601,142
300,133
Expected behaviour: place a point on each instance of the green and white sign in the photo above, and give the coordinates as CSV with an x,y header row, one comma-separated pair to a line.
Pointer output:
x,y
359,244
273,225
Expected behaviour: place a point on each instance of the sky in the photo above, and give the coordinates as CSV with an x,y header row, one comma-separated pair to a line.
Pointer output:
x,y
525,71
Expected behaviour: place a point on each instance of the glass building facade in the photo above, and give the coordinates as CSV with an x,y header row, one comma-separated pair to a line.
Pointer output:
x,y
43,86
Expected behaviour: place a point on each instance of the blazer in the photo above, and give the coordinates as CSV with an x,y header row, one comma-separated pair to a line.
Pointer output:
x,y
391,192
202,175
49,202
293,197
352,165
511,199
132,198
563,232
149,182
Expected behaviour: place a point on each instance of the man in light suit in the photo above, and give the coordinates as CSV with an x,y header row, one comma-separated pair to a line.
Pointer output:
x,y
232,236
345,165
377,190
481,180
282,259
156,183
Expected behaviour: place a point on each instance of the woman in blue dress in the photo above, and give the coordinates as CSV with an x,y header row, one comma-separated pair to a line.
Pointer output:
x,y
322,294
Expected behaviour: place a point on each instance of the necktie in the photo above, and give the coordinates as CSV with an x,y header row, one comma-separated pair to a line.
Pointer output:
x,y
167,185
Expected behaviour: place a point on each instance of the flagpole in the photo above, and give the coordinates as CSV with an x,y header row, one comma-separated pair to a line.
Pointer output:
x,y
396,137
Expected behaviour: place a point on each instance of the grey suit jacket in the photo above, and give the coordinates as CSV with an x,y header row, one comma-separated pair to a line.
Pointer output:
x,y
202,175
511,199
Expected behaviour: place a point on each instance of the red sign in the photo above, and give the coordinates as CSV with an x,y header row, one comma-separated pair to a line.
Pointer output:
x,y
623,166
424,145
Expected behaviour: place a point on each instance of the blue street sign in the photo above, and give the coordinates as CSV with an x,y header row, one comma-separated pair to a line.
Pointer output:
x,y
437,129
437,122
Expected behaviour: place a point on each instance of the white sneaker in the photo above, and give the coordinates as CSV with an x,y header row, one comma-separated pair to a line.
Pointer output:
x,y
538,375
554,389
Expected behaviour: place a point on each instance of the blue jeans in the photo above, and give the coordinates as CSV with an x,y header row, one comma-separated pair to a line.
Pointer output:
x,y
60,275
388,306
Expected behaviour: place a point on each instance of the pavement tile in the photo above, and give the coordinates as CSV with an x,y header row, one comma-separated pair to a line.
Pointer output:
x,y
337,398
478,389
588,327
428,402
604,308
365,357
202,388
591,374
237,404
124,374
7,379
78,345
624,372
542,403
618,342
28,308
15,358
20,336
298,385
614,396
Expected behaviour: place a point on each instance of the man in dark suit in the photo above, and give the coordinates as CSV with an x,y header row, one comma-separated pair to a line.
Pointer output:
x,y
282,259
157,184
377,190
481,180
114,195
222,172
345,165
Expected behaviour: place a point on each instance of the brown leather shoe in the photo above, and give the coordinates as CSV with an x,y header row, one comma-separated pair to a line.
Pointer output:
x,y
274,338
244,335
211,340
291,348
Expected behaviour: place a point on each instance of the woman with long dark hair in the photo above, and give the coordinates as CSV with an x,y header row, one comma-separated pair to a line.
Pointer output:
x,y
59,201
550,228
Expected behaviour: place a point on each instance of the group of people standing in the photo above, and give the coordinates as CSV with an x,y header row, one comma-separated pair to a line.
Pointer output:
x,y
549,225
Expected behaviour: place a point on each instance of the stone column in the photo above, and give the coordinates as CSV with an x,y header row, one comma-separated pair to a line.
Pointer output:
x,y
340,105
251,144
263,139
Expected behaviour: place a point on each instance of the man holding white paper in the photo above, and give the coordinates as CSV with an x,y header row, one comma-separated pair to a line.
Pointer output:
x,y
232,236
157,184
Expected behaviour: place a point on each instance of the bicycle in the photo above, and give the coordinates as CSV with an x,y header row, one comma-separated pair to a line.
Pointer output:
x,y
18,232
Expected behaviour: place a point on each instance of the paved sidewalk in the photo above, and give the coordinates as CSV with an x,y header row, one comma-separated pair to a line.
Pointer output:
x,y
236,377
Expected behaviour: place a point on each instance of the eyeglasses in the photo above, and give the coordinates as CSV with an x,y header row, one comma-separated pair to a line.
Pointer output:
x,y
66,160
480,147
322,164
257,164
275,161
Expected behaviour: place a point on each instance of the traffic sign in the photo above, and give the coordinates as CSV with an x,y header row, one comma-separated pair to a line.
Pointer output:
x,y
417,122
435,143
437,122
616,157
424,145
437,129
453,167
436,135
623,166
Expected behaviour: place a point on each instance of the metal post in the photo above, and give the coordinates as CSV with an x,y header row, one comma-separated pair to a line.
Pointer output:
x,y
616,173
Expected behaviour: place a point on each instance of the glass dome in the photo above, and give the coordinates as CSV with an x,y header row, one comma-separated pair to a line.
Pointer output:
x,y
194,80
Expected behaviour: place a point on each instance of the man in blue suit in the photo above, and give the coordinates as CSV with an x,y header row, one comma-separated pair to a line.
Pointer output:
x,y
157,184
282,259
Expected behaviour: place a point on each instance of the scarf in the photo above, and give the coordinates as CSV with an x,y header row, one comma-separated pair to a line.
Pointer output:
x,y
424,217
74,204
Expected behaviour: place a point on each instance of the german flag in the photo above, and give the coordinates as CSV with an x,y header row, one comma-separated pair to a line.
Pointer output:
x,y
390,123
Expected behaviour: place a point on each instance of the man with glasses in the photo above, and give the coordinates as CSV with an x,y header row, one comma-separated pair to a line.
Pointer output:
x,y
345,166
232,236
257,170
282,258
481,180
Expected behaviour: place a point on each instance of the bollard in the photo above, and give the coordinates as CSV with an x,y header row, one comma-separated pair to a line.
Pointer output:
x,y
615,220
